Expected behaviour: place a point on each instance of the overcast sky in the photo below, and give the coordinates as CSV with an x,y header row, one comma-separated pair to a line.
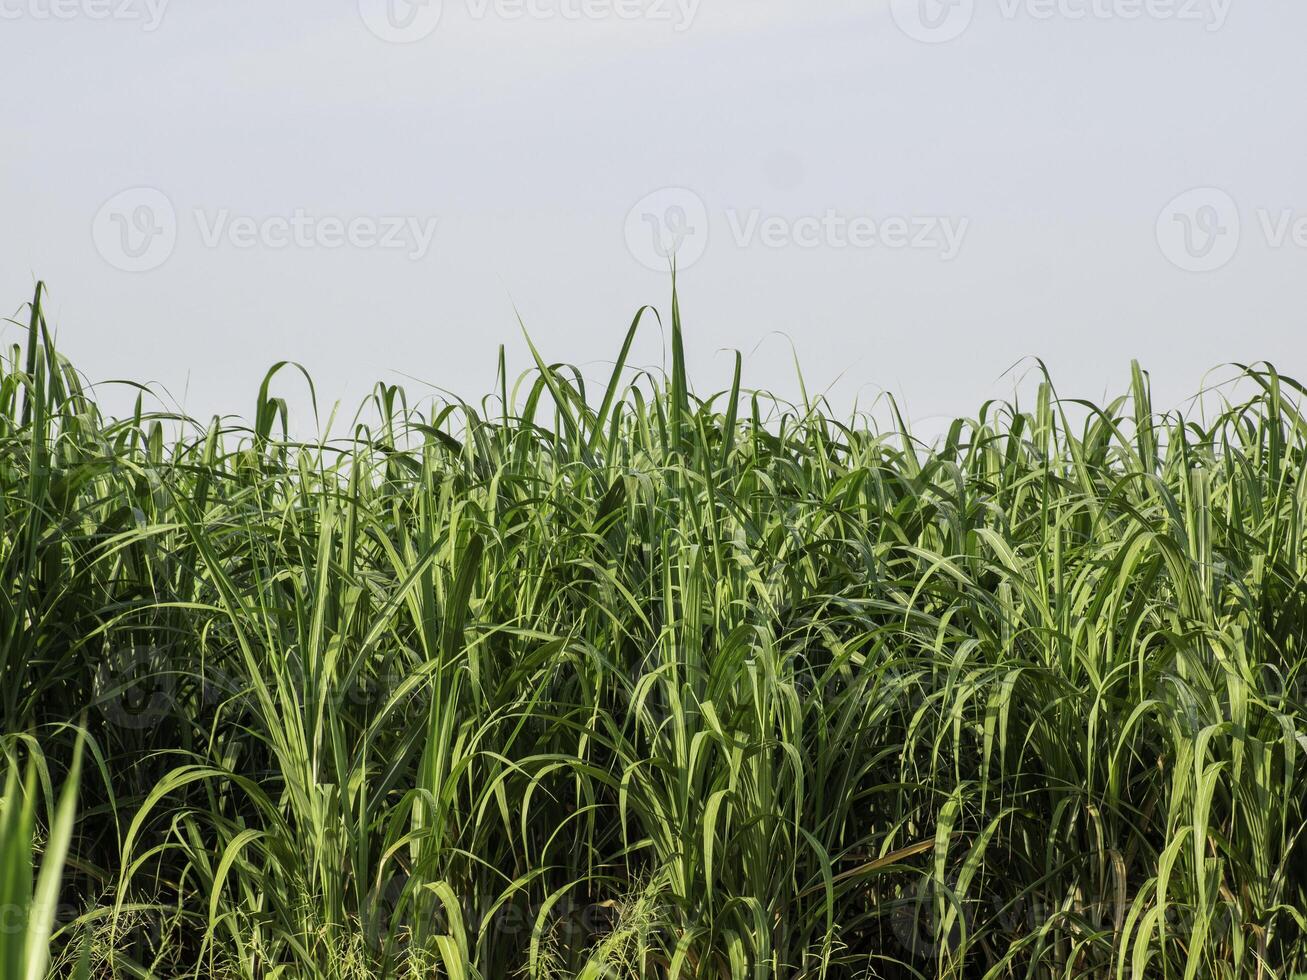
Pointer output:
x,y
915,194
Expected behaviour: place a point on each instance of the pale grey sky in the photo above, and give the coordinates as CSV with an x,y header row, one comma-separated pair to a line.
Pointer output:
x,y
917,193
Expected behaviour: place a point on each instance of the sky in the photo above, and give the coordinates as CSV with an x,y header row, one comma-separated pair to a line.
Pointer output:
x,y
917,197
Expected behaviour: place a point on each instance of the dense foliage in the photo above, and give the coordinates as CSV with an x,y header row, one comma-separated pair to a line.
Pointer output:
x,y
634,683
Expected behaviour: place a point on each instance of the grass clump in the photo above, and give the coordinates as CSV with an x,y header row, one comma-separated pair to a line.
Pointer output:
x,y
637,683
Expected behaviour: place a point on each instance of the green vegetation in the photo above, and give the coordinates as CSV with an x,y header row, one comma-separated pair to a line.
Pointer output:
x,y
635,683
28,910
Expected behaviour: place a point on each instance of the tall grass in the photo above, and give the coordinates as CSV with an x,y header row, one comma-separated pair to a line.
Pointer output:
x,y
28,897
631,682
